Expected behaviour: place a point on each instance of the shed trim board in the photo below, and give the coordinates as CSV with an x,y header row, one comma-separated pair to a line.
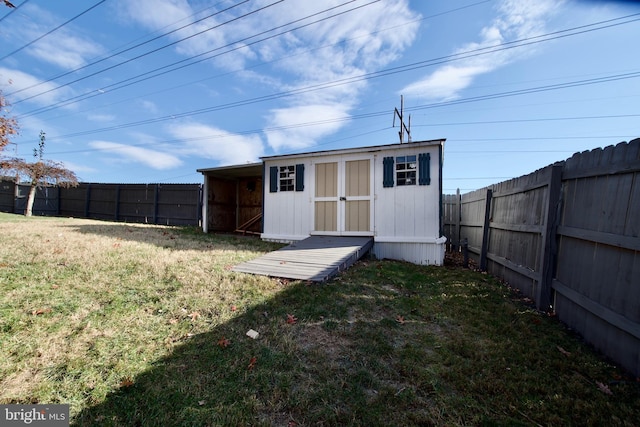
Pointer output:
x,y
392,193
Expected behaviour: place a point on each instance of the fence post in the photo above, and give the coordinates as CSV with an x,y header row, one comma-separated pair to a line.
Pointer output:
x,y
485,230
87,201
549,244
458,216
156,197
117,213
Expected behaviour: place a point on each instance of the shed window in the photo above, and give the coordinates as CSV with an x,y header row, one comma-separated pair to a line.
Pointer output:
x,y
407,170
287,178
406,167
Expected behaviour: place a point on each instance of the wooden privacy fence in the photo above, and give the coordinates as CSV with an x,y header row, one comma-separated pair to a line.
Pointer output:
x,y
167,204
567,236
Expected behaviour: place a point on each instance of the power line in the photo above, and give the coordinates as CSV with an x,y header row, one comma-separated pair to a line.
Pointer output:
x,y
141,77
51,31
113,88
136,57
367,115
421,64
542,119
13,10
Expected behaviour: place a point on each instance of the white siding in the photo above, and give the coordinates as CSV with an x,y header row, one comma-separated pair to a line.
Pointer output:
x,y
286,213
416,253
412,210
406,219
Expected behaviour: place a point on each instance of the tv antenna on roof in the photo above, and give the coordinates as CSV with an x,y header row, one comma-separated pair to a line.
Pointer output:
x,y
403,128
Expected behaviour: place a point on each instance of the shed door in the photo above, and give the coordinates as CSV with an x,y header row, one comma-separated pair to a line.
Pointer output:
x,y
342,203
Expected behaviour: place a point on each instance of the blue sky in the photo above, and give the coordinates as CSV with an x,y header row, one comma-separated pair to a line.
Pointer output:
x,y
151,90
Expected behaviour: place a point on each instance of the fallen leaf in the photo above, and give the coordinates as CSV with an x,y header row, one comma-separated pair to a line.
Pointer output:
x,y
194,315
223,342
116,245
41,311
291,319
563,351
54,286
173,321
604,388
234,308
201,402
292,423
126,382
252,363
400,319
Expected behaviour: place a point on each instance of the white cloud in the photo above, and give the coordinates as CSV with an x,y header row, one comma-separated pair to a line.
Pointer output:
x,y
66,47
101,117
332,116
516,19
203,36
349,45
212,143
446,82
130,154
342,46
149,106
30,85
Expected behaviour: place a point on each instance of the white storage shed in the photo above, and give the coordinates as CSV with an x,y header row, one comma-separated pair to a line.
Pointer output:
x,y
392,193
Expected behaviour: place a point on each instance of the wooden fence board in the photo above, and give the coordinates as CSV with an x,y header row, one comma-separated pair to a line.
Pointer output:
x,y
7,196
578,231
171,204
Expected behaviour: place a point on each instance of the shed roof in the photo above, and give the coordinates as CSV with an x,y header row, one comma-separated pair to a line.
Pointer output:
x,y
358,149
248,170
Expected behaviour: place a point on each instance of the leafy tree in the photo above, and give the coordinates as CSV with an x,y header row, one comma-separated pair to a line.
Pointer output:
x,y
40,173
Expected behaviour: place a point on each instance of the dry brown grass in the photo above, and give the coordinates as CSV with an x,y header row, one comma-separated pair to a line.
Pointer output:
x,y
87,303
124,323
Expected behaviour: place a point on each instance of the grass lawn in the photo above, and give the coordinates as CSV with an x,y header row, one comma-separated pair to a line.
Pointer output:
x,y
145,325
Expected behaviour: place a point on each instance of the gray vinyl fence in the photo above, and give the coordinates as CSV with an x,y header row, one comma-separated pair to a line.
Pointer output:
x,y
167,204
567,236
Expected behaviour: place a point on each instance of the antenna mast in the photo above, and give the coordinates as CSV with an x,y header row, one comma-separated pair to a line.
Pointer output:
x,y
403,128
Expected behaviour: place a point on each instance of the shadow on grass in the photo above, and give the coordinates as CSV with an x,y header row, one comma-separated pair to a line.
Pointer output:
x,y
384,343
167,236
300,370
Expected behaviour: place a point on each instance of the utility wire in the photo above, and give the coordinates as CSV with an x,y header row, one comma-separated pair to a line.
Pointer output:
x,y
92,93
409,67
136,46
421,107
51,31
132,80
12,11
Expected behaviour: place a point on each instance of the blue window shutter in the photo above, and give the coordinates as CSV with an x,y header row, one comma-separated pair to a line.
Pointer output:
x,y
387,172
300,177
273,179
424,169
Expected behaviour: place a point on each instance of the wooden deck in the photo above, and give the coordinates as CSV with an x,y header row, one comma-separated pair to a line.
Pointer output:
x,y
317,258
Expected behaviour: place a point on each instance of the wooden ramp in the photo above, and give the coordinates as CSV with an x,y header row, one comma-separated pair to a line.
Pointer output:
x,y
315,258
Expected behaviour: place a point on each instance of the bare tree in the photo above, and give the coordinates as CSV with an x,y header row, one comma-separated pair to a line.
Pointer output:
x,y
40,173
8,125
